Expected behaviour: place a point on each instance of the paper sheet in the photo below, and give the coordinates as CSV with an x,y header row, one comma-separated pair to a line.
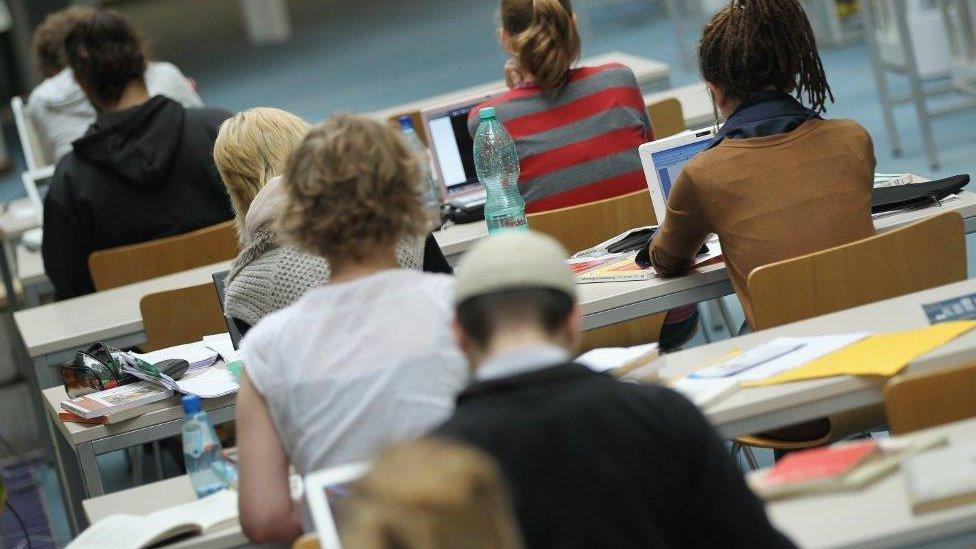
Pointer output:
x,y
222,344
813,348
212,383
706,392
881,355
602,360
197,354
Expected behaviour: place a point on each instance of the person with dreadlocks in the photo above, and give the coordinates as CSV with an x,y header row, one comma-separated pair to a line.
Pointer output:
x,y
779,181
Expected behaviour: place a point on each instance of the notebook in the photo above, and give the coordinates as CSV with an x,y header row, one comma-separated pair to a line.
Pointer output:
x,y
941,479
135,532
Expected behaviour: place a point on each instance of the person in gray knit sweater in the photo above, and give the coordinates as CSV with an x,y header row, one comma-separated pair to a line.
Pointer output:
x,y
251,151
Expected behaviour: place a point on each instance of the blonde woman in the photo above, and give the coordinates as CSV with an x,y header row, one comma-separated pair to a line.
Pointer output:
x,y
430,494
363,362
251,152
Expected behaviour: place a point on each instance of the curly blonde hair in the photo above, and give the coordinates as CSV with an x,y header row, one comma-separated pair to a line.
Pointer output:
x,y
430,494
352,184
253,147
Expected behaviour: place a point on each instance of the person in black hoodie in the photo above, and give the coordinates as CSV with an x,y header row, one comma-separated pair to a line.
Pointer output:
x,y
591,461
143,171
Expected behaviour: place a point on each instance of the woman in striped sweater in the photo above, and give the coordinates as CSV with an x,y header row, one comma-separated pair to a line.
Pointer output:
x,y
577,130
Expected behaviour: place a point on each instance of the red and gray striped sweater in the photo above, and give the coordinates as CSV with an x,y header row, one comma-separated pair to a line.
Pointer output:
x,y
577,144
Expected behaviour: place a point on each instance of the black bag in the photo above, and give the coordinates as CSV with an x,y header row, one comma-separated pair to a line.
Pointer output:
x,y
900,197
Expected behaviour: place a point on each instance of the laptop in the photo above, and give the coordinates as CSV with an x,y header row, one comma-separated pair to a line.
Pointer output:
x,y
664,159
325,492
452,150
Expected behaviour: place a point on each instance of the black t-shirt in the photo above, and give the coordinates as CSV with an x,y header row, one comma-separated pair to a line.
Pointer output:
x,y
595,462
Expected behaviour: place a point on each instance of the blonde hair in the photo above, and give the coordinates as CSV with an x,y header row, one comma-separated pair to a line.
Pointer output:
x,y
430,494
352,184
544,36
253,147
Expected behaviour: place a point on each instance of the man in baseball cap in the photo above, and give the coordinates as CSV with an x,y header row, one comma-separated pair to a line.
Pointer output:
x,y
591,461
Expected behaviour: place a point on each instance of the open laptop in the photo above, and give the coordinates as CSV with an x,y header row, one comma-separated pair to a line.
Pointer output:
x,y
664,159
452,149
325,492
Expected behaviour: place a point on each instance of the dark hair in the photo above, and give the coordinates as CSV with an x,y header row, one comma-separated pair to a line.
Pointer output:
x,y
106,54
753,45
48,40
545,38
483,315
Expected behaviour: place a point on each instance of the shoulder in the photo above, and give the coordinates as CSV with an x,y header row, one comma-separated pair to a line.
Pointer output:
x,y
206,116
846,129
162,69
613,73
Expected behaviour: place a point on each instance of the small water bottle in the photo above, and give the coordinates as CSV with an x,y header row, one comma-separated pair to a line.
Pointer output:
x,y
497,164
431,190
201,449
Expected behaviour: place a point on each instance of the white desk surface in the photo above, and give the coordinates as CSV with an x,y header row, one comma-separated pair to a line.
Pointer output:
x,y
878,516
99,316
651,75
156,413
78,322
144,500
696,104
762,408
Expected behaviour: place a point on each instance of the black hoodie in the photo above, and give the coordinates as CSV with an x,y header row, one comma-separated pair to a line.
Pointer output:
x,y
137,175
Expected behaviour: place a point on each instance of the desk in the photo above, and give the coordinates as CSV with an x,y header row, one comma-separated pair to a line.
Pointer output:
x,y
77,446
761,409
696,104
34,282
144,500
20,217
878,516
651,75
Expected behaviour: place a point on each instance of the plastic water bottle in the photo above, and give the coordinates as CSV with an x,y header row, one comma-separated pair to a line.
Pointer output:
x,y
432,191
201,449
497,164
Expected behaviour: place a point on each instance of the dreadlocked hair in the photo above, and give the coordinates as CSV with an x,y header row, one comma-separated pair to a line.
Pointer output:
x,y
754,45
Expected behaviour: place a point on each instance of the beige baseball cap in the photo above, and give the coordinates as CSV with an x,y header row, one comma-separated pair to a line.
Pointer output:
x,y
512,261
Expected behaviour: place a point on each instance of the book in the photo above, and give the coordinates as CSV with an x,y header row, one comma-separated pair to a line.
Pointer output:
x,y
619,360
116,400
110,419
135,532
626,269
941,479
841,467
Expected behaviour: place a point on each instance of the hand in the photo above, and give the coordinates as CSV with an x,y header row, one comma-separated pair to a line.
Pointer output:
x,y
513,76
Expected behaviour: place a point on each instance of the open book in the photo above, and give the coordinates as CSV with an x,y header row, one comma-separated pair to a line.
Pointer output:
x,y
135,532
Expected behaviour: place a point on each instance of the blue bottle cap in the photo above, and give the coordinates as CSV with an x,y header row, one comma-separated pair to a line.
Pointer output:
x,y
487,113
192,404
406,122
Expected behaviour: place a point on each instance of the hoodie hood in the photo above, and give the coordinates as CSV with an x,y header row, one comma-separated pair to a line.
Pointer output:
x,y
138,144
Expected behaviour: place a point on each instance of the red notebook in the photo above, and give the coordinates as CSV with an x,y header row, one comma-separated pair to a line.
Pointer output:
x,y
820,464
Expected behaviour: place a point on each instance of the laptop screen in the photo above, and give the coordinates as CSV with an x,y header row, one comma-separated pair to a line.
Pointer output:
x,y
670,162
454,148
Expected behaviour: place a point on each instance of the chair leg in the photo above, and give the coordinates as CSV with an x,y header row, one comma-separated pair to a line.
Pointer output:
x,y
135,455
158,459
726,316
703,325
751,458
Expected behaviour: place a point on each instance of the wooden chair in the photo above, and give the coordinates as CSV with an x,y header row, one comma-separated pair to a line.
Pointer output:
x,y
308,541
180,316
583,226
137,262
667,117
923,255
920,400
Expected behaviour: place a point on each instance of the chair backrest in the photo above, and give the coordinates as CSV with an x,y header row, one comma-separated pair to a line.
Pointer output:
x,y
667,117
917,257
137,262
34,153
920,400
180,316
583,226
308,541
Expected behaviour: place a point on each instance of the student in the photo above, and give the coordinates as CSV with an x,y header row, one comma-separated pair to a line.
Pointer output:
x,y
576,130
251,151
363,362
779,181
59,109
591,461
143,171
430,494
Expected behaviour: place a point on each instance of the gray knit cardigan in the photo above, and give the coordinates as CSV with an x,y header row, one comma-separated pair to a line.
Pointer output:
x,y
267,276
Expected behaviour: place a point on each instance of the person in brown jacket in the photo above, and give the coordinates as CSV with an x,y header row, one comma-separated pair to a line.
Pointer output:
x,y
779,181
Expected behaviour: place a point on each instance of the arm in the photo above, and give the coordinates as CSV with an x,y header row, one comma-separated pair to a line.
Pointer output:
x,y
66,245
267,511
683,232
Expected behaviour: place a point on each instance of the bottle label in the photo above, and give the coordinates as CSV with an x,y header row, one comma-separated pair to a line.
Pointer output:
x,y
507,224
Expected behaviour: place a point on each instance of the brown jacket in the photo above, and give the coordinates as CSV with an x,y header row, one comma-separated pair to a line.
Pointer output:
x,y
769,199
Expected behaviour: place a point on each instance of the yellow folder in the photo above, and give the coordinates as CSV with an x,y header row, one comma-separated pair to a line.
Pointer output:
x,y
882,355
